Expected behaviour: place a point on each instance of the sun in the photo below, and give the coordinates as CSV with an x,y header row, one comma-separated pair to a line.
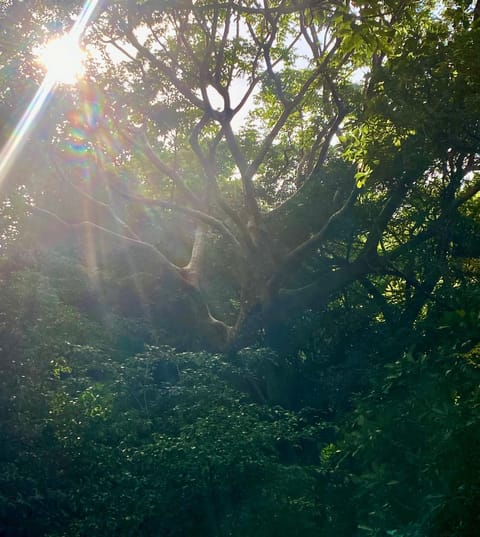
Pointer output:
x,y
63,59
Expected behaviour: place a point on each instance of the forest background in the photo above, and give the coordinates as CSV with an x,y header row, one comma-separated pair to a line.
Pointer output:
x,y
239,270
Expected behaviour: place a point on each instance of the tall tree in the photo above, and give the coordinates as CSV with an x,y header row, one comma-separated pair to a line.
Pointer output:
x,y
245,134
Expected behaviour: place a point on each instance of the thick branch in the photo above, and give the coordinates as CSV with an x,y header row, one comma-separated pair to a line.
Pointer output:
x,y
248,188
207,162
193,268
315,295
466,195
216,331
296,256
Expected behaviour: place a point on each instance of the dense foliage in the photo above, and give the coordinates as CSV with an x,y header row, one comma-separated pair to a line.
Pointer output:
x,y
239,271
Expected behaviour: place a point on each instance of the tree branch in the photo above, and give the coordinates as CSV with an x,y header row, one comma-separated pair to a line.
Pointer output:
x,y
165,262
198,215
218,332
162,166
466,195
94,200
296,255
168,71
381,222
288,302
284,9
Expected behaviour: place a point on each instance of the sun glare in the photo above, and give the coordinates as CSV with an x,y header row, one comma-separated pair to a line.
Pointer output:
x,y
67,58
63,59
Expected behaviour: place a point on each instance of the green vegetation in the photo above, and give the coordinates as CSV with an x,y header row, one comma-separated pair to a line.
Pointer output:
x,y
239,272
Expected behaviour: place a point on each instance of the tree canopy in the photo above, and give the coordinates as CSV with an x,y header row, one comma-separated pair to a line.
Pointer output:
x,y
262,157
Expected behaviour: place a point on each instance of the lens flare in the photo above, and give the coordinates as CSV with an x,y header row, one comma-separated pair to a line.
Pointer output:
x,y
15,143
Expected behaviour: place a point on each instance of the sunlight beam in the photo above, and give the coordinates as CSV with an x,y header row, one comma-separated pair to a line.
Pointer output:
x,y
16,142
